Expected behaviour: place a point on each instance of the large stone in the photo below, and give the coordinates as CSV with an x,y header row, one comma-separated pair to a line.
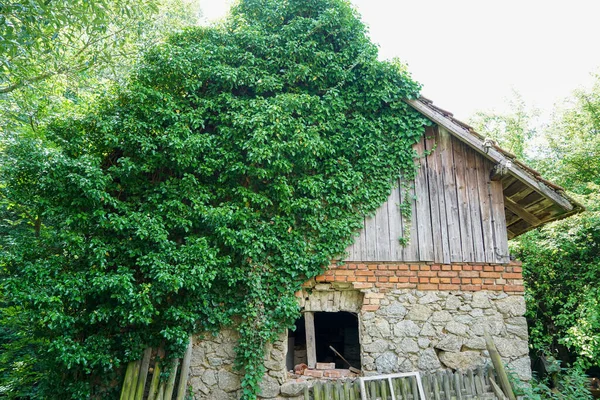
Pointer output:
x,y
512,306
378,346
429,297
428,361
394,309
406,328
463,360
519,330
209,377
291,389
457,328
494,325
408,346
511,348
382,327
228,382
481,300
386,363
419,312
450,343
522,367
475,343
428,330
452,302
268,388
441,316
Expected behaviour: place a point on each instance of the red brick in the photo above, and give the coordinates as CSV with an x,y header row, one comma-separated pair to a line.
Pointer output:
x,y
360,279
446,267
344,272
472,288
493,287
427,286
383,278
382,266
372,279
425,267
403,279
385,285
373,267
361,266
514,288
332,373
340,278
329,279
499,268
423,280
366,273
476,281
406,285
414,267
465,281
370,307
467,268
406,273
393,267
488,268
352,266
456,280
320,278
457,268
322,366
517,269
445,280
490,275
384,273
512,276
403,267
362,285
489,281
477,267
434,280
313,372
469,274
427,273
515,263
394,279
449,287
413,279
436,267
447,274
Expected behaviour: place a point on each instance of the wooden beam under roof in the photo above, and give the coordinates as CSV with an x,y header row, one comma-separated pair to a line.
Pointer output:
x,y
521,212
489,152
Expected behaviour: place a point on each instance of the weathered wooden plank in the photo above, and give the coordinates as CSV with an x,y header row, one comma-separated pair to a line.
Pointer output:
x,y
370,250
395,221
441,250
411,250
483,167
185,371
521,212
464,213
499,222
474,206
423,208
450,197
490,152
311,344
382,229
141,384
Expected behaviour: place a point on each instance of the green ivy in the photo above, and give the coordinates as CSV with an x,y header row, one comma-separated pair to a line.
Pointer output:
x,y
238,161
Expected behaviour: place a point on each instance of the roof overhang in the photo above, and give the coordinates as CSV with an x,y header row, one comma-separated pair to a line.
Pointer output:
x,y
529,200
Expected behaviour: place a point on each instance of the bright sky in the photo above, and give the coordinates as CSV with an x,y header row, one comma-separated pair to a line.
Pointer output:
x,y
470,54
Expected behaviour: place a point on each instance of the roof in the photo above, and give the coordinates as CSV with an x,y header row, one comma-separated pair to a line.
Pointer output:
x,y
530,200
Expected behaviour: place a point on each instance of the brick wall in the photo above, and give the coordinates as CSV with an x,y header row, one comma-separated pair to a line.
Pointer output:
x,y
424,276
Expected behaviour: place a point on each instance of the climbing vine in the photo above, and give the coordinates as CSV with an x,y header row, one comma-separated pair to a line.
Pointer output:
x,y
237,162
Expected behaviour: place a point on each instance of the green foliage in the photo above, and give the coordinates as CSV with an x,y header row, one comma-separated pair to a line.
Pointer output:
x,y
236,163
561,384
512,130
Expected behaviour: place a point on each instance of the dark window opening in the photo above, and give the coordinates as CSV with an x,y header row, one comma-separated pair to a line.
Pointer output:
x,y
336,329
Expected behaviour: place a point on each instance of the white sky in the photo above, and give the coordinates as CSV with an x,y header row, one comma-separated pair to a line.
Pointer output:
x,y
470,54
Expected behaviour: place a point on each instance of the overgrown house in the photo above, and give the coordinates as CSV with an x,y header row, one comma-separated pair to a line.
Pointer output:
x,y
424,306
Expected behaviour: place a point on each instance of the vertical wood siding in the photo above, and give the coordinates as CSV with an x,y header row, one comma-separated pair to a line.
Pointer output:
x,y
457,212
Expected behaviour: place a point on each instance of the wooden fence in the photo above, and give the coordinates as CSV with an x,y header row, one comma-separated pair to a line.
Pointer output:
x,y
442,385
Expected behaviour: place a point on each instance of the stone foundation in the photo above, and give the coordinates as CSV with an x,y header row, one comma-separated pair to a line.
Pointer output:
x,y
411,318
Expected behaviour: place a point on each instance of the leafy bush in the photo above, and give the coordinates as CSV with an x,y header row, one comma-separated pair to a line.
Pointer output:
x,y
238,161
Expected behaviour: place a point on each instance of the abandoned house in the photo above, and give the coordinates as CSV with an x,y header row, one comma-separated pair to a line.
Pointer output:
x,y
424,306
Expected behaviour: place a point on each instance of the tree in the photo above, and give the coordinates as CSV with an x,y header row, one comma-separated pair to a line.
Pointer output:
x,y
234,165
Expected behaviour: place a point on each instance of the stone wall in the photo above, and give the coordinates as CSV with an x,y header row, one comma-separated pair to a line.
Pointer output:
x,y
430,330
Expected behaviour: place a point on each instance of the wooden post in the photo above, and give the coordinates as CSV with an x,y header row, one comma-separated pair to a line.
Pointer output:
x,y
156,375
498,366
185,369
134,379
141,384
311,344
171,381
127,382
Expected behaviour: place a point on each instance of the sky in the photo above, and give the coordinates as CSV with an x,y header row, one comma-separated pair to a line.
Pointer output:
x,y
470,55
